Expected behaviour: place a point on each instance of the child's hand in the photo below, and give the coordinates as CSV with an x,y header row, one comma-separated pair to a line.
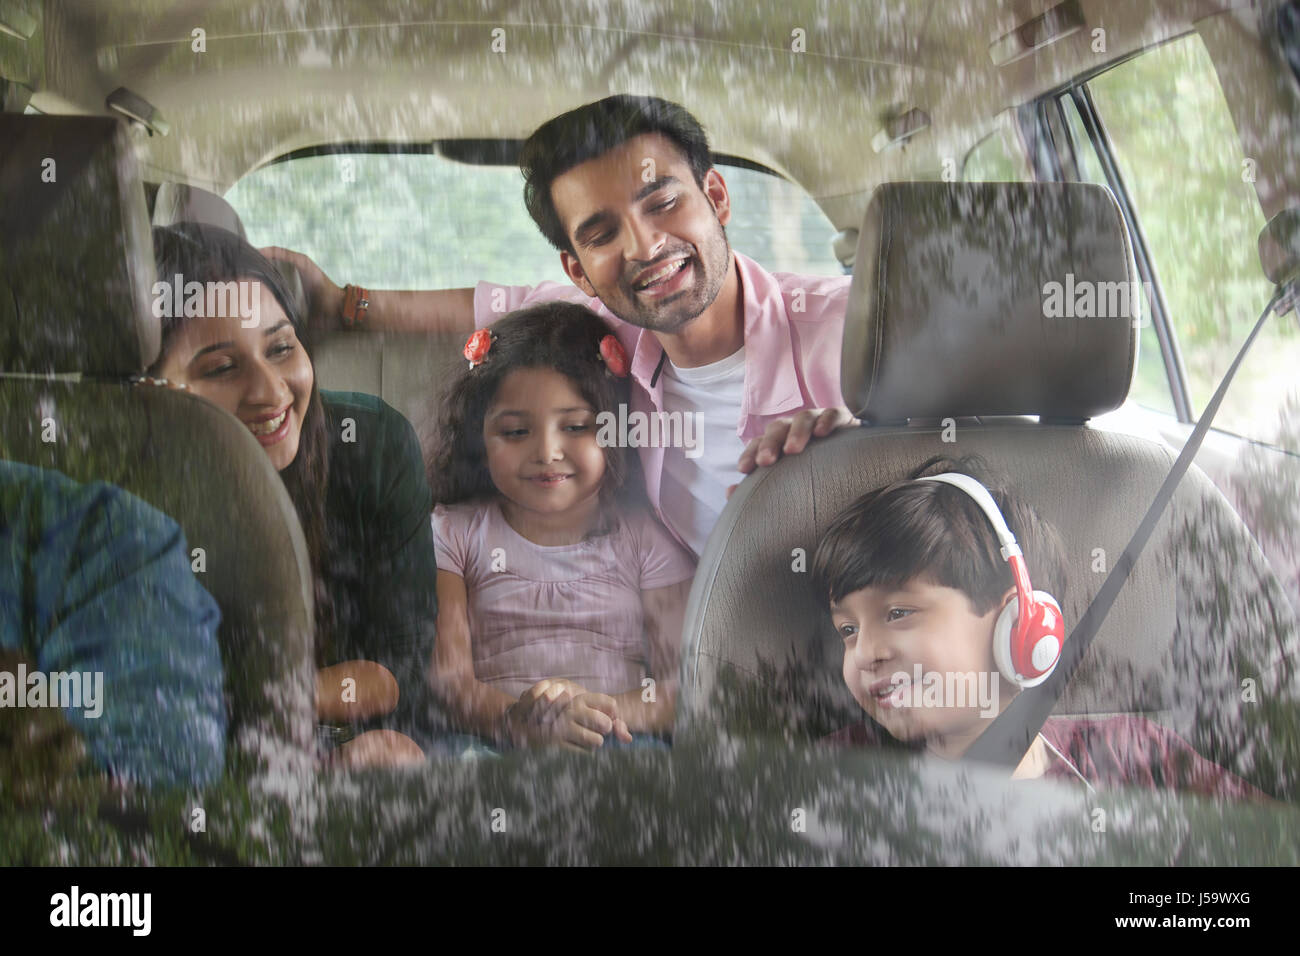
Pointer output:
x,y
527,719
545,699
587,720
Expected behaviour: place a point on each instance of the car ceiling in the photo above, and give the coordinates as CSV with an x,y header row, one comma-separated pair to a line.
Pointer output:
x,y
281,76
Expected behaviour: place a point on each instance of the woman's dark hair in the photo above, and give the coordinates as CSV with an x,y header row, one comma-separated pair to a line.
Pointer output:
x,y
203,253
554,335
592,130
929,529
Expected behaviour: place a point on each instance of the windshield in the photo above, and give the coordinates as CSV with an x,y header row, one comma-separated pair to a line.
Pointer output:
x,y
533,443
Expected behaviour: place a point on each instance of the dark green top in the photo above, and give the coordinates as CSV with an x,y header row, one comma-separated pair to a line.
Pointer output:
x,y
381,573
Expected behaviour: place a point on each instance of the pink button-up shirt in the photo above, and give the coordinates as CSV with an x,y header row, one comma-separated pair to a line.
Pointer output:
x,y
794,327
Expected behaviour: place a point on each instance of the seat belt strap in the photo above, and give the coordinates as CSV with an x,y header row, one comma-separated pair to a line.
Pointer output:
x,y
1009,736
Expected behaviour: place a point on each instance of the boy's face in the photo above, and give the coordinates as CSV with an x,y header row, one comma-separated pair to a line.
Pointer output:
x,y
889,632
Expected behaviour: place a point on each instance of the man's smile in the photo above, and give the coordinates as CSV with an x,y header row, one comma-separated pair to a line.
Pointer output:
x,y
655,280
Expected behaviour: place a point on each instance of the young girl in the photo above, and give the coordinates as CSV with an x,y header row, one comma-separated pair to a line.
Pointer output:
x,y
560,600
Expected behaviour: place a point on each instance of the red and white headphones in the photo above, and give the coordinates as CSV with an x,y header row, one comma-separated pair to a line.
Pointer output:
x,y
1030,631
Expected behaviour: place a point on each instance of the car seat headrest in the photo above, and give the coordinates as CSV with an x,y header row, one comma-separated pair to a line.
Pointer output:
x,y
974,299
76,256
178,202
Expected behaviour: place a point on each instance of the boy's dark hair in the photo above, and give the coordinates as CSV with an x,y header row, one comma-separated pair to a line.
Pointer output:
x,y
553,335
932,530
589,131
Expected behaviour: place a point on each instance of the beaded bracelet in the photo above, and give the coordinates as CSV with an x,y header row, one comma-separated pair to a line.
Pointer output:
x,y
356,303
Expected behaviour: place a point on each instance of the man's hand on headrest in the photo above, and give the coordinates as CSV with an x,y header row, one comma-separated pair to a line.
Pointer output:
x,y
324,298
790,436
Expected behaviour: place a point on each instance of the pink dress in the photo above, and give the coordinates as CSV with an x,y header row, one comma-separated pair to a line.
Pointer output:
x,y
571,611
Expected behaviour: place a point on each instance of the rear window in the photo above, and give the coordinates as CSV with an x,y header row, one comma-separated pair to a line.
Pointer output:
x,y
423,221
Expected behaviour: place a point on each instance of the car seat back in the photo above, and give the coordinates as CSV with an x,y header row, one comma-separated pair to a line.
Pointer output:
x,y
76,261
951,338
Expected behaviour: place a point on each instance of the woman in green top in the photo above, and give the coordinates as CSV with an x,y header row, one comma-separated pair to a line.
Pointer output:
x,y
353,470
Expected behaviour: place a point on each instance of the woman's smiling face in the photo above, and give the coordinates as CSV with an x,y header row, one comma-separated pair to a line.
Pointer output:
x,y
261,375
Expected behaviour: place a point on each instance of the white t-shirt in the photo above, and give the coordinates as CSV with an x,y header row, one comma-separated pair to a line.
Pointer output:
x,y
693,490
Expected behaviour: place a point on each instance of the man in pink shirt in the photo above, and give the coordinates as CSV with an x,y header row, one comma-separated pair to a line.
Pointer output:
x,y
747,360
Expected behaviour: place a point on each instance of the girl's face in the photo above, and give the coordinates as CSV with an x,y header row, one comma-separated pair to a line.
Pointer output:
x,y
540,435
261,375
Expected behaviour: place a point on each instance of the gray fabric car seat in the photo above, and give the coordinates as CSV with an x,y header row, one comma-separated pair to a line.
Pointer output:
x,y
76,269
949,343
180,202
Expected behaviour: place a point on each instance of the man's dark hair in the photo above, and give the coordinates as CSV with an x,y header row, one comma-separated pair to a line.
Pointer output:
x,y
589,131
932,530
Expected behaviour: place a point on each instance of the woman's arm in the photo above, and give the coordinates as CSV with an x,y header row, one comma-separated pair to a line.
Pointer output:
x,y
665,612
385,553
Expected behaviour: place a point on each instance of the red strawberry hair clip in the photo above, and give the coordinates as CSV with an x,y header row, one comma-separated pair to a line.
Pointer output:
x,y
611,351
477,346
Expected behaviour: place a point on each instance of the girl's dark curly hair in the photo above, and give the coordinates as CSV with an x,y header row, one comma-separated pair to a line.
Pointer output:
x,y
553,335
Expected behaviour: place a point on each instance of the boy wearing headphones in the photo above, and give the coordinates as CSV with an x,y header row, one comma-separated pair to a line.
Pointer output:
x,y
930,591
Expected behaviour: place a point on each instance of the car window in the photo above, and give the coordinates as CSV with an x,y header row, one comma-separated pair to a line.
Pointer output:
x,y
1180,157
398,220
776,223
1151,387
1085,155
422,221
998,157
